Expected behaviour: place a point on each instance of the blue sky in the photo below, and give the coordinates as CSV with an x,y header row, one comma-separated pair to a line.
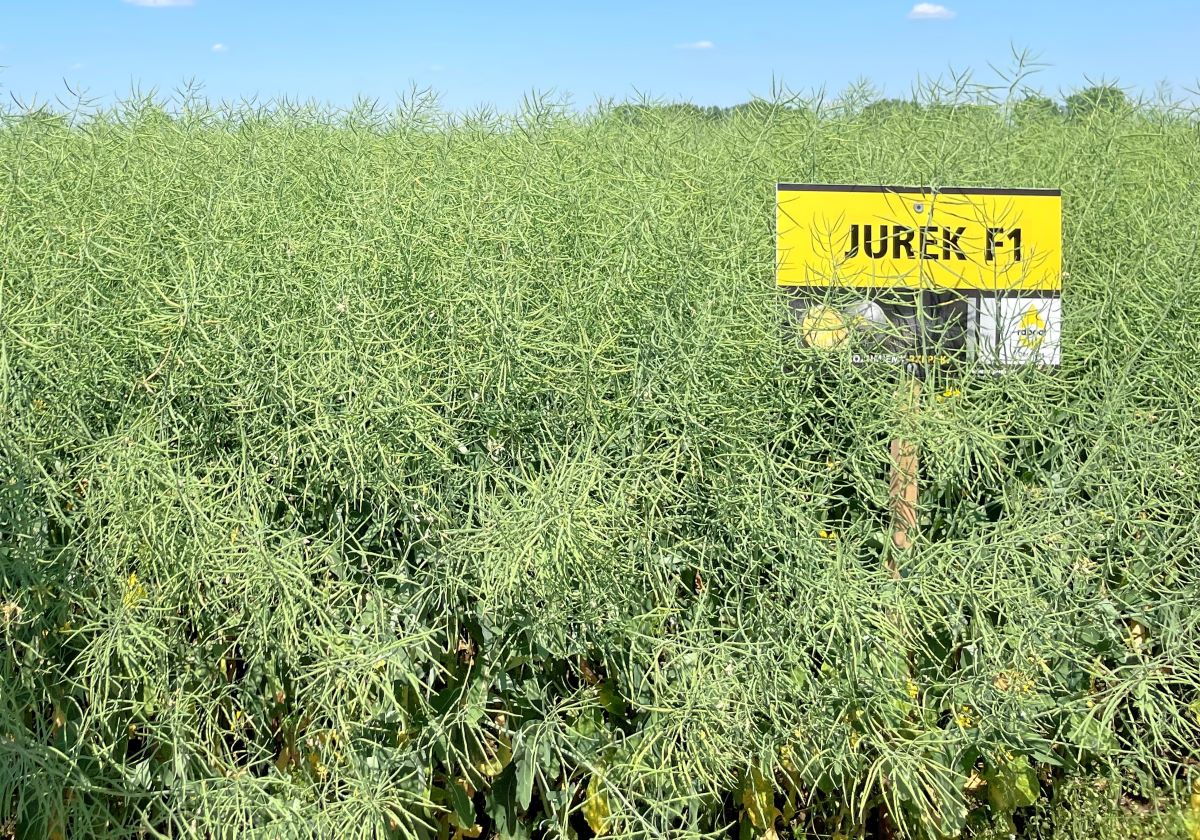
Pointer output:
x,y
493,52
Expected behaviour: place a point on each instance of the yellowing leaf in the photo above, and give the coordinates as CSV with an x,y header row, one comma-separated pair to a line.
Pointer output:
x,y
758,799
286,756
1193,818
1136,639
498,756
595,806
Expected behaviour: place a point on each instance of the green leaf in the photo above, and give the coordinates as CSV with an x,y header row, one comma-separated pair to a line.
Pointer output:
x,y
612,701
1091,733
501,802
1012,785
547,762
525,775
463,807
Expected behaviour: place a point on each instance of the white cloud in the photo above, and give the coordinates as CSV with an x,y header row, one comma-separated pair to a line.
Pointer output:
x,y
930,11
159,4
220,48
697,45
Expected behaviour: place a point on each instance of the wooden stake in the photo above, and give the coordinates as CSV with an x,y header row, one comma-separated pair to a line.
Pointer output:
x,y
903,496
903,486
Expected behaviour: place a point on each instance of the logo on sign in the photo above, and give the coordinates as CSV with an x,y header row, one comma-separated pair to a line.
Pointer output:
x,y
1032,330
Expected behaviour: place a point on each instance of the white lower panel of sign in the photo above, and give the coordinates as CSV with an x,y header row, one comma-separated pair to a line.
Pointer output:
x,y
1020,330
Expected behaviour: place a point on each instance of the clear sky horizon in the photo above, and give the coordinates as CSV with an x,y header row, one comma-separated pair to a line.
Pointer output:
x,y
476,53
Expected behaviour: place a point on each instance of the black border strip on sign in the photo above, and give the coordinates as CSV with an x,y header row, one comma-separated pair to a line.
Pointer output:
x,y
869,188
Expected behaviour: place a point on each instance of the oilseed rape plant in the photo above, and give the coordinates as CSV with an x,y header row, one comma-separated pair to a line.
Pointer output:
x,y
416,475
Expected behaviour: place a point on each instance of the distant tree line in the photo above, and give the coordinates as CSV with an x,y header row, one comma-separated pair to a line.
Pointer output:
x,y
1077,106
637,113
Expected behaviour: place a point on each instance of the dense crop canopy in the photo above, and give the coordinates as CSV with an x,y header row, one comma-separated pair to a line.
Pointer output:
x,y
417,474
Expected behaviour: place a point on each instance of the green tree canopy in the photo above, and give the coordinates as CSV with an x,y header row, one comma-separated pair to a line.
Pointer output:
x,y
1097,98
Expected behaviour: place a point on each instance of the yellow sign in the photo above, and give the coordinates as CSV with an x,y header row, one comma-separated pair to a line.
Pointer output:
x,y
914,238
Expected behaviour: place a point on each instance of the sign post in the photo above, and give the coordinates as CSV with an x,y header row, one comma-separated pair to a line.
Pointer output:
x,y
902,488
922,279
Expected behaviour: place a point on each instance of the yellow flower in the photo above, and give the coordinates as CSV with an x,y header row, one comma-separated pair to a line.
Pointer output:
x,y
317,766
964,719
134,590
1014,681
912,689
233,535
827,535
